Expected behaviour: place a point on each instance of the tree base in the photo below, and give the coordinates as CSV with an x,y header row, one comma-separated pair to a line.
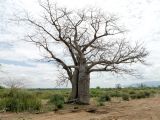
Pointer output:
x,y
76,101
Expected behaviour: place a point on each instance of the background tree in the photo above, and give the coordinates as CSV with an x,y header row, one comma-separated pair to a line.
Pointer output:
x,y
91,42
13,83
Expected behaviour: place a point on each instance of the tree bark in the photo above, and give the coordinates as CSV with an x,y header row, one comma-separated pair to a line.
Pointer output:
x,y
80,86
83,88
74,93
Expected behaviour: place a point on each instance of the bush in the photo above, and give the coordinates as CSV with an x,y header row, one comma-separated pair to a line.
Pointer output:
x,y
57,100
104,98
133,96
153,91
96,92
3,93
100,104
1,87
2,104
140,95
132,92
115,94
125,97
147,94
18,101
98,87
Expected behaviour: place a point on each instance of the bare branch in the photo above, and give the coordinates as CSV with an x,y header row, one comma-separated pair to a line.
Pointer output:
x,y
93,41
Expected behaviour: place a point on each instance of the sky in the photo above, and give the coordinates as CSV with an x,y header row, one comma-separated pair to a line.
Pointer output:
x,y
19,59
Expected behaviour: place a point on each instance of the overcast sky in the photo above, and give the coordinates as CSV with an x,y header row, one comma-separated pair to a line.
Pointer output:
x,y
19,59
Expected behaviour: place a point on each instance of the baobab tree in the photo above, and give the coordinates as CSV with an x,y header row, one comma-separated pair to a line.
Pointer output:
x,y
92,42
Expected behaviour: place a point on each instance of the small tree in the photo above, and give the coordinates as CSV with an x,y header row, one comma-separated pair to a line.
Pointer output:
x,y
118,86
92,42
12,83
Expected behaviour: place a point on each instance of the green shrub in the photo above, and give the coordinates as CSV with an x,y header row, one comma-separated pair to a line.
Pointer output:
x,y
66,94
3,93
98,87
2,104
57,100
1,87
153,91
18,101
104,98
133,96
132,92
100,104
96,92
125,97
115,94
140,95
147,94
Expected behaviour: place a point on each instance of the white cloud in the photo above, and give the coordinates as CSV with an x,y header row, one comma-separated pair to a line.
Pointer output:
x,y
42,75
141,18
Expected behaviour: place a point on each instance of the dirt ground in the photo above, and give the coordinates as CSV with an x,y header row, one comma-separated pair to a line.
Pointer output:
x,y
144,109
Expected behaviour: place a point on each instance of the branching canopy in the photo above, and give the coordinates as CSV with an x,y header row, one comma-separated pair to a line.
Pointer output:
x,y
85,34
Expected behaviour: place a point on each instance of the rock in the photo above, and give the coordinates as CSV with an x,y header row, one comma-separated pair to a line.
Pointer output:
x,y
76,107
91,110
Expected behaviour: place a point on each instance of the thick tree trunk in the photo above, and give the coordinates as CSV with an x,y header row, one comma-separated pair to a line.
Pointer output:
x,y
80,86
83,83
74,93
83,88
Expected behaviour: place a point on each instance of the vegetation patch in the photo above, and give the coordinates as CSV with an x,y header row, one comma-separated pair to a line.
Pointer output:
x,y
57,101
125,97
18,100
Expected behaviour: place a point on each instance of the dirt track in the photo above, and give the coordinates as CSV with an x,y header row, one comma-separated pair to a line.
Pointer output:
x,y
144,109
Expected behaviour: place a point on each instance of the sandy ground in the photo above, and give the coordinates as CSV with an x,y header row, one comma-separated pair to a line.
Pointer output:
x,y
144,109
